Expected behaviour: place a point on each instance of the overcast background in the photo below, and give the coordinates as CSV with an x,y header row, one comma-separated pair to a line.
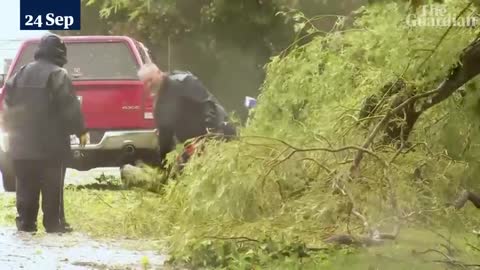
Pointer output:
x,y
11,36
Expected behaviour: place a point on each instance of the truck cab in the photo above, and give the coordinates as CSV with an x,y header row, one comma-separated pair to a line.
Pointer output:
x,y
116,106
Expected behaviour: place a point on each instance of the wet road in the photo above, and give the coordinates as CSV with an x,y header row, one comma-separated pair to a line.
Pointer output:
x,y
70,251
73,251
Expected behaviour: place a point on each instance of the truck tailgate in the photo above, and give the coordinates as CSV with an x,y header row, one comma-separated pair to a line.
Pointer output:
x,y
114,104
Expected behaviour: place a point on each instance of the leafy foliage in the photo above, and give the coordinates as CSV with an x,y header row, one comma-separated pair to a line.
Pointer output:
x,y
310,99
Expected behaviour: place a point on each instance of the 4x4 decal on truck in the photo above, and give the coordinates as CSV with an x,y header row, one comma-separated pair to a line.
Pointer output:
x,y
131,108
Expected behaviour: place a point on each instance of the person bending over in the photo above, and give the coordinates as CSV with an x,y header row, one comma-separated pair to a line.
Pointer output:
x,y
183,109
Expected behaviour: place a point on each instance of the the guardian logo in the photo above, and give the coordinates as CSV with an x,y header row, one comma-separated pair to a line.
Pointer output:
x,y
50,15
437,15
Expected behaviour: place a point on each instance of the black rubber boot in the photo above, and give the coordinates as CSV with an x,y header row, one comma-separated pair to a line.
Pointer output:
x,y
24,227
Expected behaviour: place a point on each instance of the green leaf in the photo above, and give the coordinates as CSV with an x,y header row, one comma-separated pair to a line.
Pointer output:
x,y
90,2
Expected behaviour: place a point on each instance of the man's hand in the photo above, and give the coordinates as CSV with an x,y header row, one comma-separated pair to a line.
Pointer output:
x,y
83,139
211,130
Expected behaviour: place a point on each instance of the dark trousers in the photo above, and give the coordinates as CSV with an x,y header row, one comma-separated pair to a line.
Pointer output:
x,y
35,177
229,131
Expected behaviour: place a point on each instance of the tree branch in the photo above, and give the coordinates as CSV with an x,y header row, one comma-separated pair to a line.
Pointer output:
x,y
354,170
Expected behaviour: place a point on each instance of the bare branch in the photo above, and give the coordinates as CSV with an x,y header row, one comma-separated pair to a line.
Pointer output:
x,y
358,158
354,210
474,247
237,238
318,164
457,263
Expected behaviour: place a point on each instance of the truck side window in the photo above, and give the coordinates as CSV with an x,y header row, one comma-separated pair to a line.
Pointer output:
x,y
92,60
143,52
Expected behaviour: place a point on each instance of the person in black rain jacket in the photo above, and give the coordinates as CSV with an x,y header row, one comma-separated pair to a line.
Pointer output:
x,y
41,111
184,108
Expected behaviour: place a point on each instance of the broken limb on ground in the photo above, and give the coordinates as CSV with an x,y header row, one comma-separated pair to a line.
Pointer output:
x,y
143,176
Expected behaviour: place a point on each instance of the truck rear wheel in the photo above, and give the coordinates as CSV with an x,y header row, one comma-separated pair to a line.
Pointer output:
x,y
8,182
8,176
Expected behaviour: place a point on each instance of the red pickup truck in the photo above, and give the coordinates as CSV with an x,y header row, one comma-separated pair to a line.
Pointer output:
x,y
116,106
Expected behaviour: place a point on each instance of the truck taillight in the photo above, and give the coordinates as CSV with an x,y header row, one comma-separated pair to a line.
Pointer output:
x,y
148,100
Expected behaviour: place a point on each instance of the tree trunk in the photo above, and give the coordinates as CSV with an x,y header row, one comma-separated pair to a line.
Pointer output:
x,y
398,132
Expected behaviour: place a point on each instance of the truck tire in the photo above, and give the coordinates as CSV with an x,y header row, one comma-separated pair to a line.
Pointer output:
x,y
8,181
8,176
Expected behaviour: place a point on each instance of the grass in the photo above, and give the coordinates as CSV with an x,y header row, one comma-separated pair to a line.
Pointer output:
x,y
106,213
101,214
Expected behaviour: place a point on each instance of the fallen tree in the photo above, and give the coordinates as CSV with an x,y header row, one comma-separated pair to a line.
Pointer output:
x,y
308,171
